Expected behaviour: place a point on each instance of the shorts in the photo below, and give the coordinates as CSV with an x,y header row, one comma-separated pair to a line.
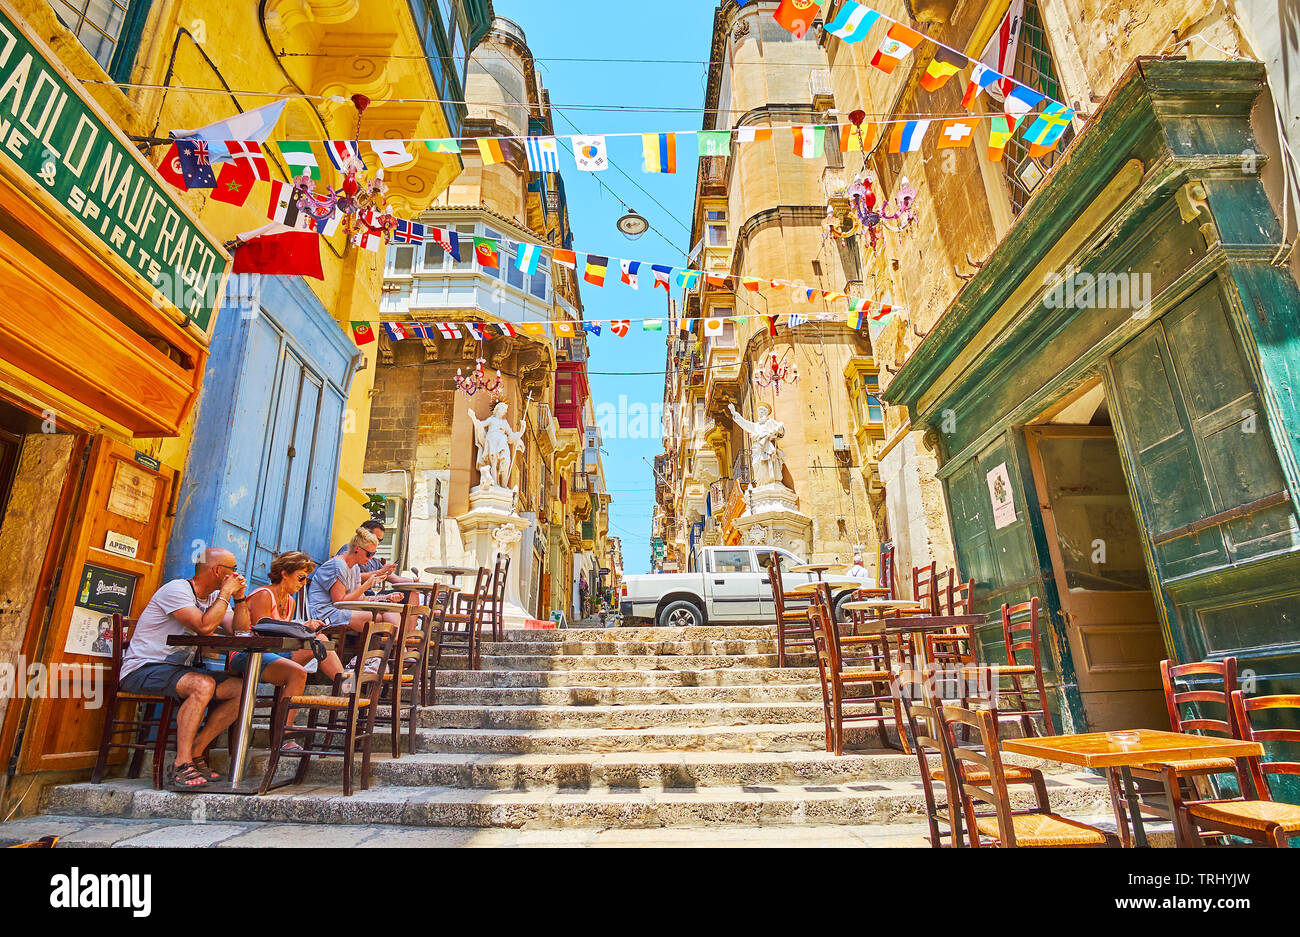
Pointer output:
x,y
158,679
239,661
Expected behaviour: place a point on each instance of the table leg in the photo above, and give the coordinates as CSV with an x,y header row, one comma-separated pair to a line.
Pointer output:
x,y
1134,809
247,700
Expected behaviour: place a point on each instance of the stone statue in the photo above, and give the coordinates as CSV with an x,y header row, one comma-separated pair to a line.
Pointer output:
x,y
497,444
766,454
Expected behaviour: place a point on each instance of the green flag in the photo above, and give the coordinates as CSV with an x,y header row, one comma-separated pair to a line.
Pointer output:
x,y
652,325
443,146
715,142
300,158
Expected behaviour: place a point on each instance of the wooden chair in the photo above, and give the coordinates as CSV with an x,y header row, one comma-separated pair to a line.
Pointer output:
x,y
863,679
1020,636
492,609
1181,779
953,647
437,598
913,699
982,777
925,587
350,715
141,721
457,630
794,633
1263,821
400,685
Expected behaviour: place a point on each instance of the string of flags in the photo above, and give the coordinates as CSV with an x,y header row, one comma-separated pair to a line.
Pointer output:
x,y
853,22
860,313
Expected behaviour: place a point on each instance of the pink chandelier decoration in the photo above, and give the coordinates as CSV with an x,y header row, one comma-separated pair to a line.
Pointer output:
x,y
776,373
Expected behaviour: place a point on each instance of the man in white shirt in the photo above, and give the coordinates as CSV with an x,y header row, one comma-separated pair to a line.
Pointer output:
x,y
198,605
858,570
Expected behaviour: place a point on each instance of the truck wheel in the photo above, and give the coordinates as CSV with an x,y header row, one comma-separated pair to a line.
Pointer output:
x,y
841,616
681,614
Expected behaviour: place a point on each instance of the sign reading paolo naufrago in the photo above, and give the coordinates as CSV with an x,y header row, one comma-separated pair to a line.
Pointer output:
x,y
61,141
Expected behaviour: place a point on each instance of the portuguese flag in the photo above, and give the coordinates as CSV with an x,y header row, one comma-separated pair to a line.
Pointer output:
x,y
362,333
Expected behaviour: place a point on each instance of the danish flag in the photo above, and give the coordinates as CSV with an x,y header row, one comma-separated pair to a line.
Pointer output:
x,y
250,153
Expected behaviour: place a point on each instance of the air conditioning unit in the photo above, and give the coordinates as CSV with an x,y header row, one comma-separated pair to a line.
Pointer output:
x,y
842,451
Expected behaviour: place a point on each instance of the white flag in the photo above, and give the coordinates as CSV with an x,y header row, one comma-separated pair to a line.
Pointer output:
x,y
391,152
1000,52
589,153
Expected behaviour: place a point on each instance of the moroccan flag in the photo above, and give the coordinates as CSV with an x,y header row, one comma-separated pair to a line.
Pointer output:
x,y
487,254
957,132
288,253
596,268
1001,129
234,183
943,66
899,43
491,151
809,142
362,333
855,139
797,15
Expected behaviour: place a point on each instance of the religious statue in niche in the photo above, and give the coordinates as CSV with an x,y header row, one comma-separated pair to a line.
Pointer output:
x,y
497,444
766,455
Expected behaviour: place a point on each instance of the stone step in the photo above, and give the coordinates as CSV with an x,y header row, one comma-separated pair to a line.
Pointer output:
x,y
727,676
794,737
851,804
87,832
578,696
694,648
636,771
623,717
706,633
512,662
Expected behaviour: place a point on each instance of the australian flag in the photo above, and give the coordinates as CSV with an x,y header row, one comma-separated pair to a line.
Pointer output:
x,y
196,164
592,327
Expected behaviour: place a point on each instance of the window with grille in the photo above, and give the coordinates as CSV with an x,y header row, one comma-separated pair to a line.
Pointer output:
x,y
109,29
1035,68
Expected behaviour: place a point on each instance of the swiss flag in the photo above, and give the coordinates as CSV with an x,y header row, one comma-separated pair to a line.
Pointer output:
x,y
287,253
170,168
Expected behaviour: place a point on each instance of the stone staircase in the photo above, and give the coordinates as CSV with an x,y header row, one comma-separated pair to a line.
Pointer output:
x,y
595,736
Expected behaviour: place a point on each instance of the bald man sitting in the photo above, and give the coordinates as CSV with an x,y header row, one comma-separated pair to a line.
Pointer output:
x,y
198,605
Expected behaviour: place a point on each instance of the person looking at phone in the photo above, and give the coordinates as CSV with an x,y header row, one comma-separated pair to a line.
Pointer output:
x,y
341,580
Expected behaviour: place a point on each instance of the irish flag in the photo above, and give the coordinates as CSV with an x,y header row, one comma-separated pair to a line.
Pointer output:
x,y
809,142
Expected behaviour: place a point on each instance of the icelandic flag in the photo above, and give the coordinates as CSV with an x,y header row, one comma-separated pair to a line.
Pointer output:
x,y
255,125
543,154
530,255
907,137
853,22
661,277
630,268
408,232
340,151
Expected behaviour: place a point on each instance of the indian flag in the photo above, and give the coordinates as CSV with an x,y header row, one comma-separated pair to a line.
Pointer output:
x,y
300,158
809,142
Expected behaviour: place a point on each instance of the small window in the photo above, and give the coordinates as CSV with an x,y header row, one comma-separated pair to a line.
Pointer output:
x,y
434,256
731,561
501,255
465,233
538,286
403,258
875,407
514,276
764,558
109,29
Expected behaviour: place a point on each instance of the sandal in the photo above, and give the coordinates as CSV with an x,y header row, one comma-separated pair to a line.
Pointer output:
x,y
201,766
290,748
186,778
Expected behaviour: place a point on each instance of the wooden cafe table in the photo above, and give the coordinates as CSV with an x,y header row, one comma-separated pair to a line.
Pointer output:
x,y
1121,750
453,572
256,645
816,568
807,588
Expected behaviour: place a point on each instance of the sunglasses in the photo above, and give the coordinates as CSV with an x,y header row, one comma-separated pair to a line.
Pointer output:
x,y
368,553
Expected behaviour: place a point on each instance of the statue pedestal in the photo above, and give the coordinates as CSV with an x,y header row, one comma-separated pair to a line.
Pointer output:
x,y
774,519
492,527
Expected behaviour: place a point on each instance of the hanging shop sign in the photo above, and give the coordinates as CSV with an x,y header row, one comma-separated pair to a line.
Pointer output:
x,y
64,145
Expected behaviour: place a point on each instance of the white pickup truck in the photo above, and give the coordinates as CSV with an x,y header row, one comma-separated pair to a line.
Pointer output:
x,y
724,586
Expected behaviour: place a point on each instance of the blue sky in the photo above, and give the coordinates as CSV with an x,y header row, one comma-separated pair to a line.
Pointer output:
x,y
670,29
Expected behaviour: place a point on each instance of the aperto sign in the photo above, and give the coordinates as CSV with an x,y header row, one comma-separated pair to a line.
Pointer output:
x,y
62,144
